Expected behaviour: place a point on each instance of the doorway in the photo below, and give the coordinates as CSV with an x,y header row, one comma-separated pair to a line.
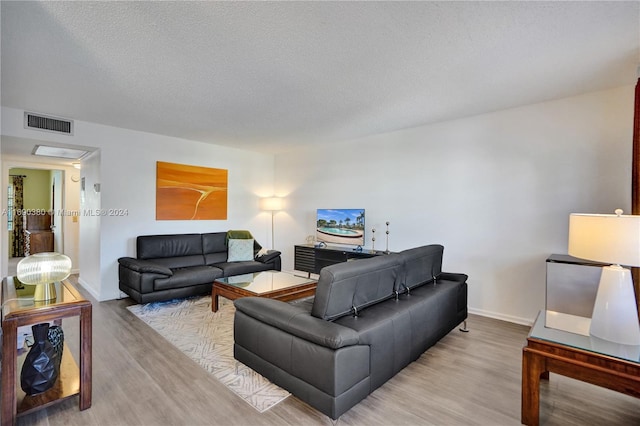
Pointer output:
x,y
34,213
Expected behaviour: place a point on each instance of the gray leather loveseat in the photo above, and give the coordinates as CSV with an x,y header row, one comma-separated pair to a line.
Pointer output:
x,y
182,265
369,319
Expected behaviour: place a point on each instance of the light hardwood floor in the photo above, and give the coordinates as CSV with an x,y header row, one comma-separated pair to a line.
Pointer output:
x,y
466,379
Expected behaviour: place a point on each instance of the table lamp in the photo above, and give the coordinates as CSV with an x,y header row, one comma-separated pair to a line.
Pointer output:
x,y
613,239
43,270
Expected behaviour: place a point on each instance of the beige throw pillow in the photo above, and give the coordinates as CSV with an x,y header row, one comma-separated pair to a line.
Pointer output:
x,y
240,250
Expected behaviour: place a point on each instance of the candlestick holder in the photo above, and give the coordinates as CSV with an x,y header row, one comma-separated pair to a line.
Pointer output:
x,y
387,250
373,240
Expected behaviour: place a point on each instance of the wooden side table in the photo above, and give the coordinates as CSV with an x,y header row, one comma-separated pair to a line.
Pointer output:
x,y
18,309
580,357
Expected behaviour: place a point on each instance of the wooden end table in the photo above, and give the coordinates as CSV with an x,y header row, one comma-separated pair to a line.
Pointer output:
x,y
271,284
584,358
19,309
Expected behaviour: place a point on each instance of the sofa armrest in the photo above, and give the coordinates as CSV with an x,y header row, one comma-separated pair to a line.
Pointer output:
x,y
449,276
298,322
142,266
269,256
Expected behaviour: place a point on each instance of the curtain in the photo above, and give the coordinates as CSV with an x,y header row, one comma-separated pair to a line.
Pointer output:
x,y
18,219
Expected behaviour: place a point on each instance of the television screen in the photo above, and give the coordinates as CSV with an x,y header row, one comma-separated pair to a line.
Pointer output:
x,y
340,226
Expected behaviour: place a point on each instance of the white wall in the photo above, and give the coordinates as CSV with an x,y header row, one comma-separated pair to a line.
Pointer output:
x,y
90,232
496,190
127,177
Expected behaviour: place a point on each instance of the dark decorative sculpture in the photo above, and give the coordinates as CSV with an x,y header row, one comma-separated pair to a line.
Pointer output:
x,y
41,366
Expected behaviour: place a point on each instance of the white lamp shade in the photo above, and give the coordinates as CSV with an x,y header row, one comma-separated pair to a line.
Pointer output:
x,y
43,268
606,238
271,203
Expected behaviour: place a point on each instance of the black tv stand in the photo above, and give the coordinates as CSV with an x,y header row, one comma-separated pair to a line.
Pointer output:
x,y
312,259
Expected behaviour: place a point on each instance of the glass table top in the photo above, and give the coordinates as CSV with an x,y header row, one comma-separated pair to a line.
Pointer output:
x,y
266,281
18,297
584,342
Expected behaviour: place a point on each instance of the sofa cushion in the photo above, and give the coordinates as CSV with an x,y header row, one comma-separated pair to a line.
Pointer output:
x,y
187,277
180,261
170,246
214,247
421,265
142,266
214,242
240,250
237,268
358,284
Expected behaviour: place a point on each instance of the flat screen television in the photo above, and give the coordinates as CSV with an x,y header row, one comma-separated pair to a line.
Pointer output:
x,y
340,226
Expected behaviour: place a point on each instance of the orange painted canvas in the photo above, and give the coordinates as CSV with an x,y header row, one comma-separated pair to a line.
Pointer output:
x,y
190,192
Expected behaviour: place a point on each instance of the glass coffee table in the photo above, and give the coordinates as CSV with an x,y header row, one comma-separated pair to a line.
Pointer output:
x,y
574,355
270,284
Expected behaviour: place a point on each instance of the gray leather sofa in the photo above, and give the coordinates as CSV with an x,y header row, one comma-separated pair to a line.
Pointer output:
x,y
182,265
369,319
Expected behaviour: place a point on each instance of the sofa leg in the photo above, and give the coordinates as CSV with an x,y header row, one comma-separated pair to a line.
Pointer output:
x,y
464,328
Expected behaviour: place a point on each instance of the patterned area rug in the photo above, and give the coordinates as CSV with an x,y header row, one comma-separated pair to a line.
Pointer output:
x,y
207,338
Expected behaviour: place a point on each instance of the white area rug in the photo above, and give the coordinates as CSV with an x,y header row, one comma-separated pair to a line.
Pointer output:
x,y
207,338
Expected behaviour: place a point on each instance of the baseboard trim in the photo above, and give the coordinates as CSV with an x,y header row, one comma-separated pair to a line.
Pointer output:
x,y
502,317
88,287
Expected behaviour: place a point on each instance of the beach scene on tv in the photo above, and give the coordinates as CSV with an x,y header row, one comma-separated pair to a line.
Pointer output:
x,y
340,226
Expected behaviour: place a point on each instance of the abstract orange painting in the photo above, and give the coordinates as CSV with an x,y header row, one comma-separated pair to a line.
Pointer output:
x,y
190,192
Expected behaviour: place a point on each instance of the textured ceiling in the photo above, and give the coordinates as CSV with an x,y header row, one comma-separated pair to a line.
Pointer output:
x,y
269,75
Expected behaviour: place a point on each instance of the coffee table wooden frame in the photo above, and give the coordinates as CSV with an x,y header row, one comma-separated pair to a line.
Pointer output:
x,y
232,292
540,357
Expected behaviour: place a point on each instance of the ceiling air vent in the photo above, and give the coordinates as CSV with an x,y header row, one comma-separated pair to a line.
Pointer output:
x,y
48,123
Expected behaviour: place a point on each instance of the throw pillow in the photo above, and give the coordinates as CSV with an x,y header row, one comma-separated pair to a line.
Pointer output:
x,y
240,250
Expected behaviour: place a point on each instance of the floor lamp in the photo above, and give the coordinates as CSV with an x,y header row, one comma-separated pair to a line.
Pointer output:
x,y
272,204
613,239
